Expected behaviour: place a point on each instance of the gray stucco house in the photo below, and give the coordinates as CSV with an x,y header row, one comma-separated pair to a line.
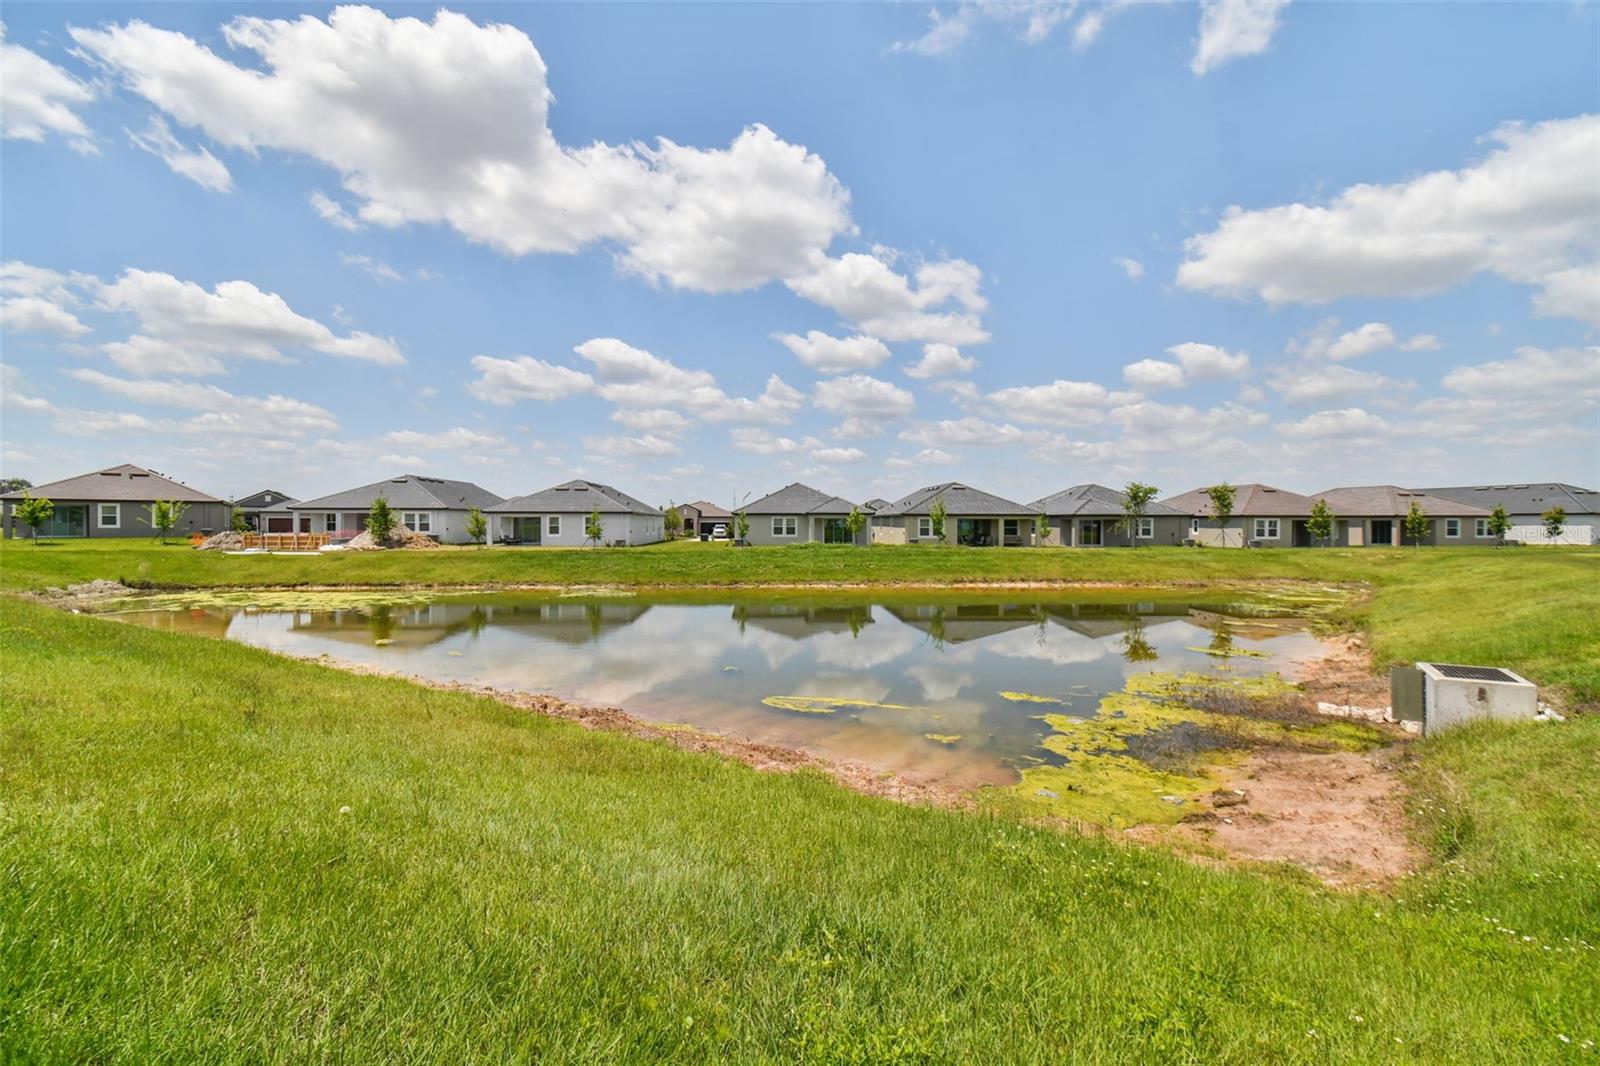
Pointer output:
x,y
268,511
115,502
1374,515
1263,517
1086,516
558,517
800,514
1525,503
972,517
433,505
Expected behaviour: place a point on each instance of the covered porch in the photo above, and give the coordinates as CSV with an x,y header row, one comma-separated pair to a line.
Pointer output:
x,y
987,532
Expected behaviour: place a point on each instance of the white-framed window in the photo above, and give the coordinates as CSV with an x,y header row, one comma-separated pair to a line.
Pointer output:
x,y
330,522
784,527
1481,528
1013,527
1452,527
1194,525
924,527
1147,529
552,525
1266,529
418,521
109,516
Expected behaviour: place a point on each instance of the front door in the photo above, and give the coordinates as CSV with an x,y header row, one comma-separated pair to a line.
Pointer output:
x,y
1382,532
1090,534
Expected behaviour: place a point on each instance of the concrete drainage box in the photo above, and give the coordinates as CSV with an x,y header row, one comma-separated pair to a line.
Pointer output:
x,y
1442,695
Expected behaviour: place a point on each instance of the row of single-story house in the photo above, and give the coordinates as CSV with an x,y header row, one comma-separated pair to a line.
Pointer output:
x,y
114,503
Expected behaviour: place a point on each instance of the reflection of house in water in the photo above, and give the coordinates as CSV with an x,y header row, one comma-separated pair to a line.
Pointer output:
x,y
420,625
798,621
955,623
1101,620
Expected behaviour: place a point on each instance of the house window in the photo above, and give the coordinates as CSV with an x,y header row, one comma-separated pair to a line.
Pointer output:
x,y
552,525
1147,528
330,523
110,516
1266,529
924,527
1481,528
1013,527
417,521
783,527
1194,525
1452,527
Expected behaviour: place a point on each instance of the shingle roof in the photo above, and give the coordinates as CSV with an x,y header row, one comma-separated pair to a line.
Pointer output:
x,y
710,510
959,499
877,503
1249,500
577,497
118,483
800,499
1387,500
1090,500
265,500
1524,499
408,491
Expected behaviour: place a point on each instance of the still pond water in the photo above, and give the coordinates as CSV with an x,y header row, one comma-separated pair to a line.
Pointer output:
x,y
944,689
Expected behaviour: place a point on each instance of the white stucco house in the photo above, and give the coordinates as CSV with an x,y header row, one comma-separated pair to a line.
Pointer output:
x,y
558,516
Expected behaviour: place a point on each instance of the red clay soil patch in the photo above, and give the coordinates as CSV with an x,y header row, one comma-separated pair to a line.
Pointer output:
x,y
1339,816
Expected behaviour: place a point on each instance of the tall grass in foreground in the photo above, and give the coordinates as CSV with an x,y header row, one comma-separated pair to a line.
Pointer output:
x,y
208,853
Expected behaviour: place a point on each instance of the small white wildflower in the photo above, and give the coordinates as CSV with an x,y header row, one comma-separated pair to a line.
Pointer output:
x,y
344,810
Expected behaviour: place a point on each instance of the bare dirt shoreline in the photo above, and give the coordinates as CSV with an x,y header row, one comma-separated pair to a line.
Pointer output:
x,y
1338,816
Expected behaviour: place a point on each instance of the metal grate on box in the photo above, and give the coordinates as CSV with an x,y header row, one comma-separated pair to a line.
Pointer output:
x,y
1473,673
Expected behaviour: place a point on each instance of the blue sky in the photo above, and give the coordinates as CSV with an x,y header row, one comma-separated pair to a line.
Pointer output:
x,y
1308,244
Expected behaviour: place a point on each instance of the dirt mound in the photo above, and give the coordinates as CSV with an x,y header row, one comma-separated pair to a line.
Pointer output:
x,y
399,537
227,540
87,595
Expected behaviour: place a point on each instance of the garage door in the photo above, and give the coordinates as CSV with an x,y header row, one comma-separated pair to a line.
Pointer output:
x,y
280,525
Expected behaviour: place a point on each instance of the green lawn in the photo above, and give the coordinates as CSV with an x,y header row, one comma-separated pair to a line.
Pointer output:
x,y
1533,609
209,853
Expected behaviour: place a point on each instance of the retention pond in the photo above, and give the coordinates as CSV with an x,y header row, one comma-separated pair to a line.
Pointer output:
x,y
946,688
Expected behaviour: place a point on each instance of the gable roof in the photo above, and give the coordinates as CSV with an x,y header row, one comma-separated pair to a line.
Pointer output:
x,y
577,497
1524,499
1388,500
874,505
959,499
710,510
1092,500
408,491
265,500
1249,500
118,483
800,499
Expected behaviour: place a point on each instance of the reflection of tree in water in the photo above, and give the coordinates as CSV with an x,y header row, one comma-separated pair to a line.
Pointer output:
x,y
741,614
380,621
1135,647
936,629
856,618
593,614
477,619
1222,641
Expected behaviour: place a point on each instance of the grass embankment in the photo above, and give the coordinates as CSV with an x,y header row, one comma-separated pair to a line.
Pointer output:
x,y
1533,609
180,882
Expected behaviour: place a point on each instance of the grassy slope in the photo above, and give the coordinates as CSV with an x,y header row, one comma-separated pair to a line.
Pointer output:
x,y
1537,610
178,882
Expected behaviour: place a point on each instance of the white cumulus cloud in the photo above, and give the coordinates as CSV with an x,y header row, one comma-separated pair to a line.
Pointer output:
x,y
828,354
939,360
38,98
1231,29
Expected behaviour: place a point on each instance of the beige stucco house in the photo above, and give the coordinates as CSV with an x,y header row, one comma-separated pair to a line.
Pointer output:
x,y
1088,516
1375,515
1263,517
972,517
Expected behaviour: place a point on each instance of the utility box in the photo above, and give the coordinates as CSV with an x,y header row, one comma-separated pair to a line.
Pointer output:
x,y
1450,695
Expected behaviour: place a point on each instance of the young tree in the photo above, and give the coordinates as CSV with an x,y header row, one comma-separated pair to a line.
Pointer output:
x,y
671,521
1041,529
855,522
593,529
1555,520
1221,497
936,516
1320,524
238,521
1136,500
33,512
741,526
477,526
165,516
1415,524
381,521
1499,525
